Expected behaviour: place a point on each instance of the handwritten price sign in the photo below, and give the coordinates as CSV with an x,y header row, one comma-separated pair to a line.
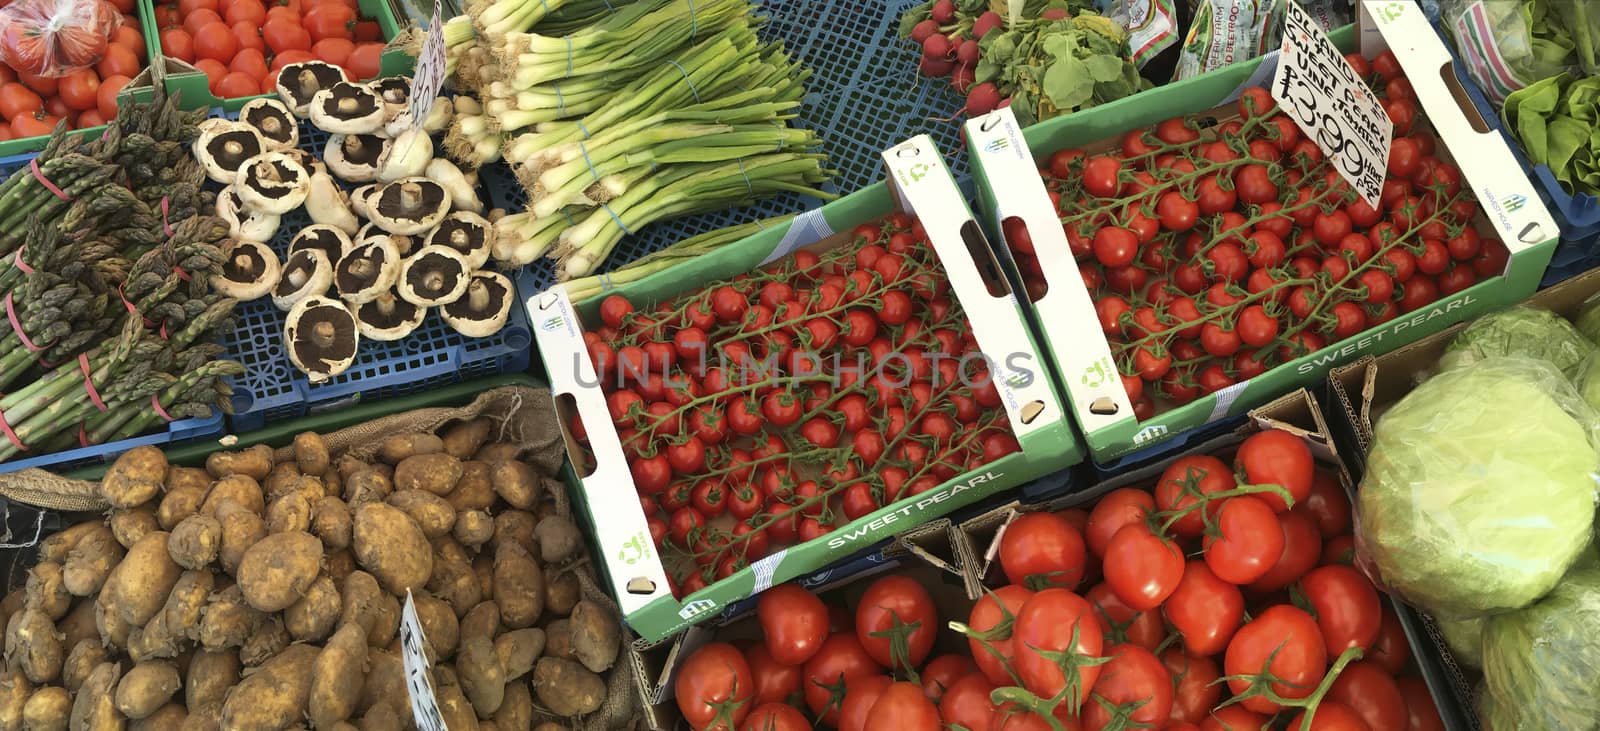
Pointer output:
x,y
424,705
429,74
1332,105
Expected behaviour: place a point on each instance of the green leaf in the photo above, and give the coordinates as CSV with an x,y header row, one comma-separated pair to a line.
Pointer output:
x,y
987,70
1566,136
1067,84
912,17
1022,106
1104,68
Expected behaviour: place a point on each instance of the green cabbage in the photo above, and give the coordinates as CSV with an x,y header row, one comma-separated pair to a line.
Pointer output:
x,y
1540,663
1522,331
1464,637
1588,382
1480,488
1588,321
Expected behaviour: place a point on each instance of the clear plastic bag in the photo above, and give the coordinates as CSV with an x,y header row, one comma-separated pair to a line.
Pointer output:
x,y
1521,331
56,37
1509,44
1480,488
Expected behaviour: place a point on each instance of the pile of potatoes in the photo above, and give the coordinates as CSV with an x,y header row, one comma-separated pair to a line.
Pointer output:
x,y
254,595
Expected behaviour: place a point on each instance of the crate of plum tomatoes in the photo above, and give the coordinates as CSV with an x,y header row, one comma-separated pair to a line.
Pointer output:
x,y
1191,253
795,397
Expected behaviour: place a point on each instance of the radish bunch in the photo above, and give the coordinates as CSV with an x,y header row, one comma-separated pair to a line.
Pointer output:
x,y
948,36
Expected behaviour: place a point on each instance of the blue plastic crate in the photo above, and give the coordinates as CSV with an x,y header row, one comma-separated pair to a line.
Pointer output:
x,y
864,96
272,389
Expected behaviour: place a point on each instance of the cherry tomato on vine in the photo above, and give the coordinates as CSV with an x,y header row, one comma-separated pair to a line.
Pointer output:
x,y
897,604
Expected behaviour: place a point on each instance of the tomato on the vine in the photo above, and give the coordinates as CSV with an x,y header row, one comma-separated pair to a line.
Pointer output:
x,y
897,605
714,687
1057,620
1042,550
1196,691
966,703
840,659
774,682
1283,640
1205,609
1142,568
1349,610
994,609
1181,484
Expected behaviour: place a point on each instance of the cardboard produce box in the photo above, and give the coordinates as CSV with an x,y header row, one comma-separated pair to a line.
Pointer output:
x,y
1004,158
919,184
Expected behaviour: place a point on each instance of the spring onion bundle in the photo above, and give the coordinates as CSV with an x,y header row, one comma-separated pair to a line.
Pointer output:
x,y
586,288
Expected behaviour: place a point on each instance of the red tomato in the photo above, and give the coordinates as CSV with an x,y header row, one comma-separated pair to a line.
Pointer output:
x,y
996,607
1142,569
237,84
774,681
34,125
368,31
943,671
1302,546
177,43
119,61
1421,713
245,11
80,90
1051,620
248,36
333,50
249,61
89,118
282,35
1276,457
1331,716
903,706
365,60
841,658
1372,694
1205,609
1184,481
794,622
215,41
897,603
330,20
1286,637
1349,612
1327,505
967,703
776,717
188,7
1197,691
714,687
1120,623
1134,683
17,100
198,19
106,99
1391,650
1233,718
1042,550
44,85
1113,511
860,695
167,17
1248,541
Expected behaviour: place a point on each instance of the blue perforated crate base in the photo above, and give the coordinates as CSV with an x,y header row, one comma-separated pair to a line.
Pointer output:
x,y
272,389
863,97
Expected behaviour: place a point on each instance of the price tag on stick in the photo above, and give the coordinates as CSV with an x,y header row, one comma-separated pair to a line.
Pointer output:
x,y
1332,105
429,75
424,704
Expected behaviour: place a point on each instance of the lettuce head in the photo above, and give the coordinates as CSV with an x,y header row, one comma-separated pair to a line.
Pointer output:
x,y
1480,488
1521,331
1464,637
1539,663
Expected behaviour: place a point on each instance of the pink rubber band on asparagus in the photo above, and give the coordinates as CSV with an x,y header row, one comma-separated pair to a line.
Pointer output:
x,y
164,223
160,411
39,176
131,309
16,260
16,327
88,382
83,436
6,429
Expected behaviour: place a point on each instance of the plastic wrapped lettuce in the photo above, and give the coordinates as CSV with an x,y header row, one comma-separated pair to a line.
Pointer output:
x,y
1588,322
1480,488
1540,663
1588,382
1464,637
1524,331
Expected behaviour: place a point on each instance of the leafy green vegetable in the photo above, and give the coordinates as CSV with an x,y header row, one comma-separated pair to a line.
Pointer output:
x,y
1054,67
1524,331
1480,488
1556,121
1539,664
1464,637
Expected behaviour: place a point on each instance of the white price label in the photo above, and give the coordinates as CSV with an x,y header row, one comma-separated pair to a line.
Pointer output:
x,y
424,704
1332,105
429,75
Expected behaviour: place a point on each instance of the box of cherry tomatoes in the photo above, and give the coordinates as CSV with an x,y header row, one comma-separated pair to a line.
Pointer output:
x,y
798,396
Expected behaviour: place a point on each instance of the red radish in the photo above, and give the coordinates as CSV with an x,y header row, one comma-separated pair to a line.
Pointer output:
x,y
936,67
967,52
1055,14
924,30
982,99
936,47
988,21
962,78
944,11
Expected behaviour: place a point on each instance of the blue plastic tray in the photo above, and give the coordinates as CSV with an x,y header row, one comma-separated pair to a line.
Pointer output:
x,y
864,96
272,389
177,431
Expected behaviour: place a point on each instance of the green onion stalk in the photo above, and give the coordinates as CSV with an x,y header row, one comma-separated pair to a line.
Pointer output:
x,y
529,59
679,191
587,288
520,238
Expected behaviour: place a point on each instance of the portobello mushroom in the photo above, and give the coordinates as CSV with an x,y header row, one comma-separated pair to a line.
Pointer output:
x,y
244,223
321,337
299,83
348,109
388,317
409,206
332,242
482,311
354,158
273,182
249,270
307,272
223,148
395,91
273,121
467,233
435,275
367,271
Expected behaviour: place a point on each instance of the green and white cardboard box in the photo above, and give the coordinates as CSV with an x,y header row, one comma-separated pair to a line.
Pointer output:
x,y
920,184
1004,156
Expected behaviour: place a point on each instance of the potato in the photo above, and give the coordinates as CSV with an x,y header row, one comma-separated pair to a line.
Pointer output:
x,y
446,548
497,451
380,718
241,489
187,602
561,592
367,486
339,564
95,706
391,546
481,621
195,542
482,679
483,569
14,692
146,687
473,491
131,526
463,439
275,695
207,720
596,635
228,620
283,479
10,606
135,478
429,511
567,688
515,526
332,482
179,504
330,521
78,625
33,646
186,478
559,539
255,462
278,569
312,488
397,448
169,716
241,530
57,545
365,604
48,709
516,711
212,673
473,528
84,658
268,640
439,626
518,586
455,708
311,453
313,617
436,473
137,588
290,513
550,726
113,628
46,592
90,561
518,650
454,582
558,640
385,684
153,641
515,482
337,676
